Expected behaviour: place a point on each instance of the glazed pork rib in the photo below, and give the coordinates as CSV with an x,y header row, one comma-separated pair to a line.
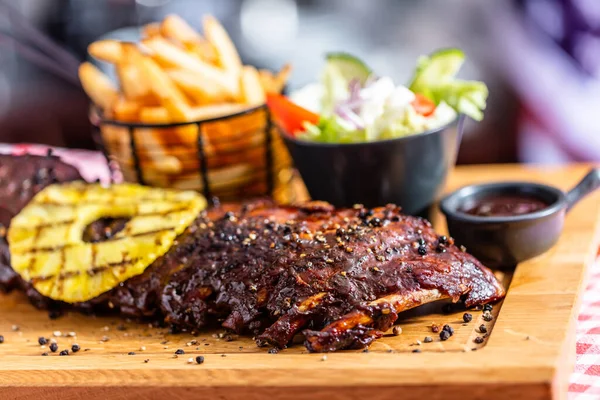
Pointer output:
x,y
339,276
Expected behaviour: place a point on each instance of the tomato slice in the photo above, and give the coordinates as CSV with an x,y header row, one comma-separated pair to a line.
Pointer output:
x,y
423,105
288,115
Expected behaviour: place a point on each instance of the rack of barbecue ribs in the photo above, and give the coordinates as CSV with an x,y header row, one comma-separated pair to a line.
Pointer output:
x,y
339,277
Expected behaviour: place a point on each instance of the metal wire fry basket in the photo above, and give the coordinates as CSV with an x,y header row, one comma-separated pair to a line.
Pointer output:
x,y
231,157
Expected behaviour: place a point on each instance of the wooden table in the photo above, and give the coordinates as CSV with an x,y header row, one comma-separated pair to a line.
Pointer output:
x,y
528,354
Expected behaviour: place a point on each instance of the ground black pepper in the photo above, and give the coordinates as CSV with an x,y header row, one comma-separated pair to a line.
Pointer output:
x,y
467,317
131,353
448,329
75,348
179,351
42,341
416,351
53,347
200,360
444,335
482,328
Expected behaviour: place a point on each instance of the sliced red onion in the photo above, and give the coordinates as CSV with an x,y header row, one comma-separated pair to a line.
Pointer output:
x,y
347,114
354,87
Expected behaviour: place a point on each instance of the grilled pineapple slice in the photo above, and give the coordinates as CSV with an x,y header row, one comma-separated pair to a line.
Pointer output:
x,y
46,237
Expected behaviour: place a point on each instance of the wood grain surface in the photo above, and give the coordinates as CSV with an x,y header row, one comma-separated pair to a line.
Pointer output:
x,y
528,354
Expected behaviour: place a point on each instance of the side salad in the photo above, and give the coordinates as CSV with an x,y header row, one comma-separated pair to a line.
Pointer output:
x,y
352,104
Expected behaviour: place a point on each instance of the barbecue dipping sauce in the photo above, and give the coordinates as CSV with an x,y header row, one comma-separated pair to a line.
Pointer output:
x,y
503,205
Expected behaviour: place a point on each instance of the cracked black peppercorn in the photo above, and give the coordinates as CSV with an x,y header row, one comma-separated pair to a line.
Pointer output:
x,y
1,339
64,353
421,242
273,350
422,250
199,359
487,316
443,239
448,329
179,352
467,317
487,307
53,347
428,339
375,222
75,348
131,353
42,340
416,351
478,340
45,354
444,335
482,328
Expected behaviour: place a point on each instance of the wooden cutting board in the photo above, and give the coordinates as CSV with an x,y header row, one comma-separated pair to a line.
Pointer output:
x,y
527,355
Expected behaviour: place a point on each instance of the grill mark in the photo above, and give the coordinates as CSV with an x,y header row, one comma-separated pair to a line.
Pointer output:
x,y
127,227
113,239
91,272
36,237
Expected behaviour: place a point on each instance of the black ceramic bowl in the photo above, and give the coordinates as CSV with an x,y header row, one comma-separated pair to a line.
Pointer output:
x,y
504,241
408,171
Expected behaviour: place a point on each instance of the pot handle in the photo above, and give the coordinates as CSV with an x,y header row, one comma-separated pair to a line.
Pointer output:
x,y
587,185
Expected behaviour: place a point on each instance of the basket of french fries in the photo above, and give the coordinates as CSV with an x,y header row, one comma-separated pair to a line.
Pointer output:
x,y
187,114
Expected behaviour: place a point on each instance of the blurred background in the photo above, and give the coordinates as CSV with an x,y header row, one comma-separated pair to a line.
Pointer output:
x,y
540,59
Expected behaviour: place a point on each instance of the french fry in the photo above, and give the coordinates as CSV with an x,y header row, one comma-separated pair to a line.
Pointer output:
x,y
267,80
204,51
106,50
215,110
282,77
98,86
198,87
154,150
251,88
169,54
154,115
220,179
229,58
165,90
274,83
126,110
151,30
135,84
175,27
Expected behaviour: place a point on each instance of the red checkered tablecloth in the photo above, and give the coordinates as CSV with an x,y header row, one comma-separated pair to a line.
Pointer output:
x,y
585,379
